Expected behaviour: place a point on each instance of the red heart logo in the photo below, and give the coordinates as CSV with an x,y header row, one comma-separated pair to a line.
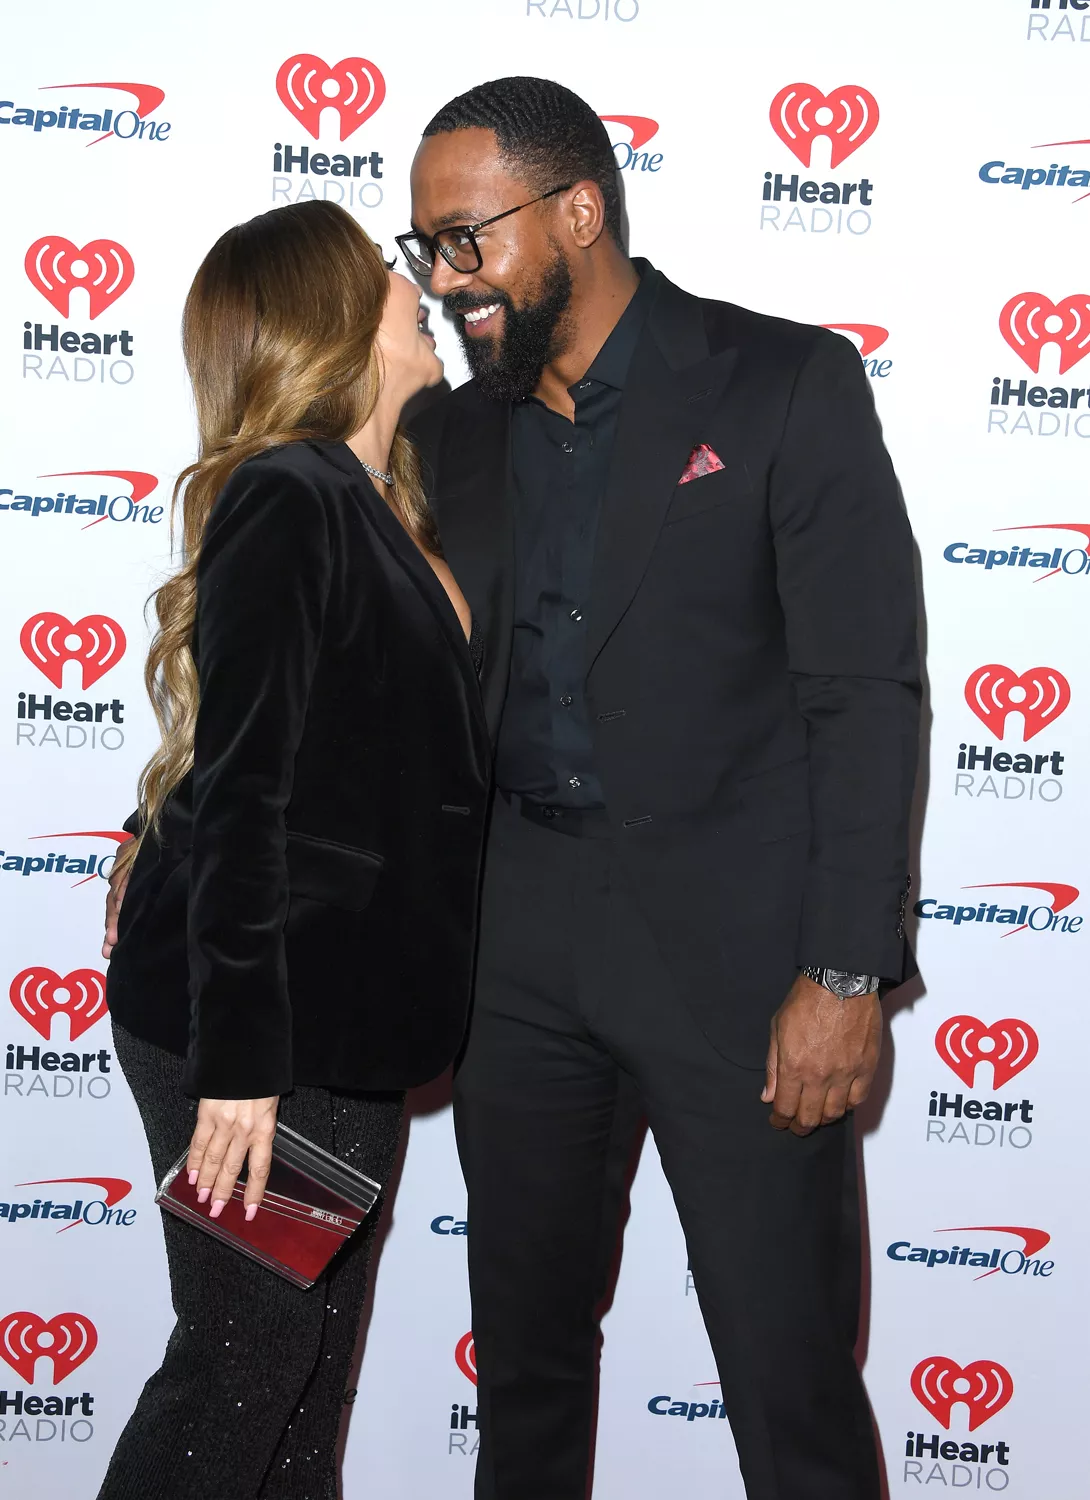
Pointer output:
x,y
939,1384
1024,323
465,1357
353,87
1039,695
49,640
68,1339
848,117
40,994
56,267
1009,1045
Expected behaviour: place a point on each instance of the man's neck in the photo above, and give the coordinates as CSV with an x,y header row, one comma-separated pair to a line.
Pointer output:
x,y
596,308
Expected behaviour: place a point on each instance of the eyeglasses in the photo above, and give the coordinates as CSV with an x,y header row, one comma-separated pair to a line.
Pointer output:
x,y
458,244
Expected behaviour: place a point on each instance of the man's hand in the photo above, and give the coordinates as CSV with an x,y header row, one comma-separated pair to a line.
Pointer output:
x,y
821,1057
114,897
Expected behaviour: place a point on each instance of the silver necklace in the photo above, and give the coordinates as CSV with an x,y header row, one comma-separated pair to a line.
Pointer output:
x,y
386,478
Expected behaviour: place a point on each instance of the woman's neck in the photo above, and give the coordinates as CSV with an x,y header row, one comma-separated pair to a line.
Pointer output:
x,y
374,441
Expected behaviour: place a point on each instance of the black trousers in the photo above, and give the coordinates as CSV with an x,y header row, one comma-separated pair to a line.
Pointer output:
x,y
248,1400
573,1009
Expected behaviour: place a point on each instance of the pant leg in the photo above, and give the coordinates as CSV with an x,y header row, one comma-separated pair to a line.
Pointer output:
x,y
535,1109
366,1128
772,1227
211,1418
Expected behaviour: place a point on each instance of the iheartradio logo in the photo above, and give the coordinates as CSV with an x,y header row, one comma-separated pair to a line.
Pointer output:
x,y
847,117
1030,320
354,87
983,1387
38,995
68,1340
465,1357
1040,695
1009,1045
50,640
56,267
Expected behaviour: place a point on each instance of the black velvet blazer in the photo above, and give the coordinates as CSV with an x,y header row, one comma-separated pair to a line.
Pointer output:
x,y
307,914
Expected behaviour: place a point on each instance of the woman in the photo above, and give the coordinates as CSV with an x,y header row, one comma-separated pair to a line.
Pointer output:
x,y
297,933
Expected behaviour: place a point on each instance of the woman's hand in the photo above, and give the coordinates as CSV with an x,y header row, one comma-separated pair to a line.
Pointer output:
x,y
227,1131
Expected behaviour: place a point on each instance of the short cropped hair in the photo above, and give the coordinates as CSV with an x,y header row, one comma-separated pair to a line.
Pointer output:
x,y
543,129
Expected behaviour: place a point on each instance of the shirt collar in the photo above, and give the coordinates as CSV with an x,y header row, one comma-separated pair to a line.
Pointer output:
x,y
611,364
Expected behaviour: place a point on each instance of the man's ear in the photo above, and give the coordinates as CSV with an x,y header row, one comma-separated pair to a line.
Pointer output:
x,y
586,211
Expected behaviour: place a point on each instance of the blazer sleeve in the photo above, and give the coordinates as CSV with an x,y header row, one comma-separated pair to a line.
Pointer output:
x,y
262,588
846,584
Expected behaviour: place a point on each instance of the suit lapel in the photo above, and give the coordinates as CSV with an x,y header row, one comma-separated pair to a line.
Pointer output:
x,y
673,386
473,507
405,551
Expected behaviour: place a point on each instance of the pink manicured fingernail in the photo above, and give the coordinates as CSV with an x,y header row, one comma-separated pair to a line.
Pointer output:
x,y
216,1209
203,1195
251,1212
193,1179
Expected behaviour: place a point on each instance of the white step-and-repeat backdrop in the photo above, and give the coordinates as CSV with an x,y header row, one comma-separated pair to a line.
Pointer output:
x,y
916,176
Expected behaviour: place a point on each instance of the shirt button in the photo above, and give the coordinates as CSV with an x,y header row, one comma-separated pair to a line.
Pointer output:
x,y
565,702
567,447
573,782
576,615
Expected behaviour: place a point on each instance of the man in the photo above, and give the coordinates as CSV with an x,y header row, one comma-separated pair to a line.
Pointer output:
x,y
680,533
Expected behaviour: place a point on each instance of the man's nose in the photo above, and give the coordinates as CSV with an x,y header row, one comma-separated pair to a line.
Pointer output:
x,y
444,278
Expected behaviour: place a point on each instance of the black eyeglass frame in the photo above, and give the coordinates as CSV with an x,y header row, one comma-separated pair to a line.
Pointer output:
x,y
434,245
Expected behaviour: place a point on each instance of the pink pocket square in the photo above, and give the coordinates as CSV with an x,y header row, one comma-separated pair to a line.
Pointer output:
x,y
702,460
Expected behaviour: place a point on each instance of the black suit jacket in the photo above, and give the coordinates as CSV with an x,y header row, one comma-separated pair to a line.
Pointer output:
x,y
752,671
308,914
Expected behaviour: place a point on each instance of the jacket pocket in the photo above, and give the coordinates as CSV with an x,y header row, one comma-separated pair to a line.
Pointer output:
x,y
323,870
729,486
778,801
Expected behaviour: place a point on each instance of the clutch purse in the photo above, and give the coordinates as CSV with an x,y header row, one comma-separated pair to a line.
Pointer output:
x,y
312,1204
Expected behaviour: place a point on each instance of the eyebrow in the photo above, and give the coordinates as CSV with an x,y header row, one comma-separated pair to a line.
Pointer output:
x,y
459,216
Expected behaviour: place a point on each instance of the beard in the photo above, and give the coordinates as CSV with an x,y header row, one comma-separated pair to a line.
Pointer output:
x,y
510,367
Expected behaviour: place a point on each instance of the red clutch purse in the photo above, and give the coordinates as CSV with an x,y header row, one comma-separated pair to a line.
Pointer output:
x,y
312,1203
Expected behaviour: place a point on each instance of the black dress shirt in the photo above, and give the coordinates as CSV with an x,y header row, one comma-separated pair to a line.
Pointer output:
x,y
545,749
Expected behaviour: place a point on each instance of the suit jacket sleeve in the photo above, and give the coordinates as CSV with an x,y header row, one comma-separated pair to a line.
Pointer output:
x,y
262,586
846,585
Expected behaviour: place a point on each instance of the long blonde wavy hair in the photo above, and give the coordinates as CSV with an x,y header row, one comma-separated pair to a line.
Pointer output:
x,y
278,334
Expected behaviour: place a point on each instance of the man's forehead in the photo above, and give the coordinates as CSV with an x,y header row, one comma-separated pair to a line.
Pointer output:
x,y
458,177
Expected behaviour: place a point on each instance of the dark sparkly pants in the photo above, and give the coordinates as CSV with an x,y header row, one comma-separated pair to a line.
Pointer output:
x,y
247,1403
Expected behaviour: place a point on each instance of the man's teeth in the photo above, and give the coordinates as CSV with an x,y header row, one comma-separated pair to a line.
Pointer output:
x,y
479,314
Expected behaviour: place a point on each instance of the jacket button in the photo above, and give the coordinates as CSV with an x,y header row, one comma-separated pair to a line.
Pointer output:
x,y
565,701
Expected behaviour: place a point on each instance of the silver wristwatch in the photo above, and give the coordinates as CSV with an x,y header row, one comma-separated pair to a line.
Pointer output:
x,y
847,986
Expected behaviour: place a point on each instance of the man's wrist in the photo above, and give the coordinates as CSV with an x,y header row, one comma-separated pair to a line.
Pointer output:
x,y
843,983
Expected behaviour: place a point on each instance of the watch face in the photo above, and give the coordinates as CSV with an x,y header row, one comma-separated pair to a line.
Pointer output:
x,y
847,984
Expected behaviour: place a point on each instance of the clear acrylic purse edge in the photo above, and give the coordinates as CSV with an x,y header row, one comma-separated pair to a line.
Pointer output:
x,y
325,1168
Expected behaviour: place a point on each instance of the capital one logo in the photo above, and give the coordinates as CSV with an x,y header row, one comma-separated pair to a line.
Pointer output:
x,y
868,336
353,87
629,153
56,267
983,1388
1030,320
465,1357
40,994
1009,1045
50,640
68,1340
1040,695
847,117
